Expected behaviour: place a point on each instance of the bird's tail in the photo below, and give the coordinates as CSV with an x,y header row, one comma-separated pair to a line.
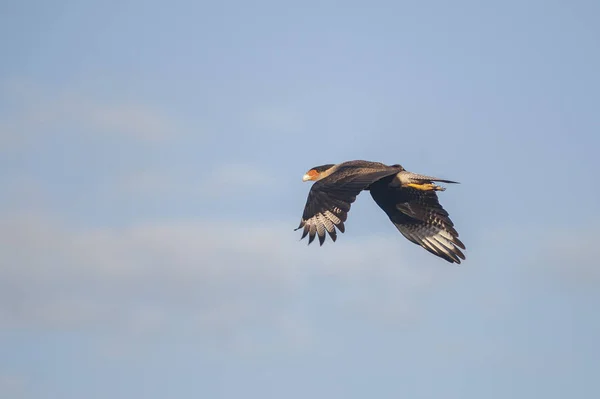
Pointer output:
x,y
410,177
421,182
417,178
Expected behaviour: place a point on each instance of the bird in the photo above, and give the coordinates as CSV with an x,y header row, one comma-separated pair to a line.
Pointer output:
x,y
409,199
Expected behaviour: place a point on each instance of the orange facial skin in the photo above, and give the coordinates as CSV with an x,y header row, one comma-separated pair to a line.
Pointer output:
x,y
310,175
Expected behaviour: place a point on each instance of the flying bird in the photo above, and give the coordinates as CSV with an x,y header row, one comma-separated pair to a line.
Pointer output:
x,y
409,200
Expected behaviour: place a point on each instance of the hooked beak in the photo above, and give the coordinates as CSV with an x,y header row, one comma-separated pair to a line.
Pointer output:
x,y
306,177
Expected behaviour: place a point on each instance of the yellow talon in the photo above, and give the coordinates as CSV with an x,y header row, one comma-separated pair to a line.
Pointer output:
x,y
426,187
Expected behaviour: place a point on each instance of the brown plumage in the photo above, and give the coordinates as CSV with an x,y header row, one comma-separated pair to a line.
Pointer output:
x,y
409,200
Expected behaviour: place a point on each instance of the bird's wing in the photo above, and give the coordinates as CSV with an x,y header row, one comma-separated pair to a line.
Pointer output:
x,y
420,218
329,201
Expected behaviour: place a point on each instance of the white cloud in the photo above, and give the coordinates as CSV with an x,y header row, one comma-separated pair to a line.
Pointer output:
x,y
571,253
32,112
222,279
276,119
234,177
212,182
12,386
150,184
568,256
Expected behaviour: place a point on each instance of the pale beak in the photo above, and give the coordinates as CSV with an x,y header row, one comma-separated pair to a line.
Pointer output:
x,y
306,177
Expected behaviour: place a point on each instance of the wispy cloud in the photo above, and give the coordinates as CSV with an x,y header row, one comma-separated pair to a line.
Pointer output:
x,y
279,119
211,182
31,112
235,177
567,255
218,278
571,253
12,386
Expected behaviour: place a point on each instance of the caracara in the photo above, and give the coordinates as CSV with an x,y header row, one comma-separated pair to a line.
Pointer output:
x,y
409,200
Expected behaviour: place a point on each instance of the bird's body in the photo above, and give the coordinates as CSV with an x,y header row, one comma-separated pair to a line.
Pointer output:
x,y
409,200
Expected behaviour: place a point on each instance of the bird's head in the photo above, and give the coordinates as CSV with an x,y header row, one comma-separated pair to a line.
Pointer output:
x,y
317,173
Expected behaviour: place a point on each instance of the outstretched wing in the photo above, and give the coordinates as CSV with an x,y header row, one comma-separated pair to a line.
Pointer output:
x,y
418,215
329,202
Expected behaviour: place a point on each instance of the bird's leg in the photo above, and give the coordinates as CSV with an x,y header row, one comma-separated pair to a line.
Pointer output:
x,y
426,187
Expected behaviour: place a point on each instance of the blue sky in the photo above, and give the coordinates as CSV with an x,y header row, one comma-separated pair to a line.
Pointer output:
x,y
151,158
